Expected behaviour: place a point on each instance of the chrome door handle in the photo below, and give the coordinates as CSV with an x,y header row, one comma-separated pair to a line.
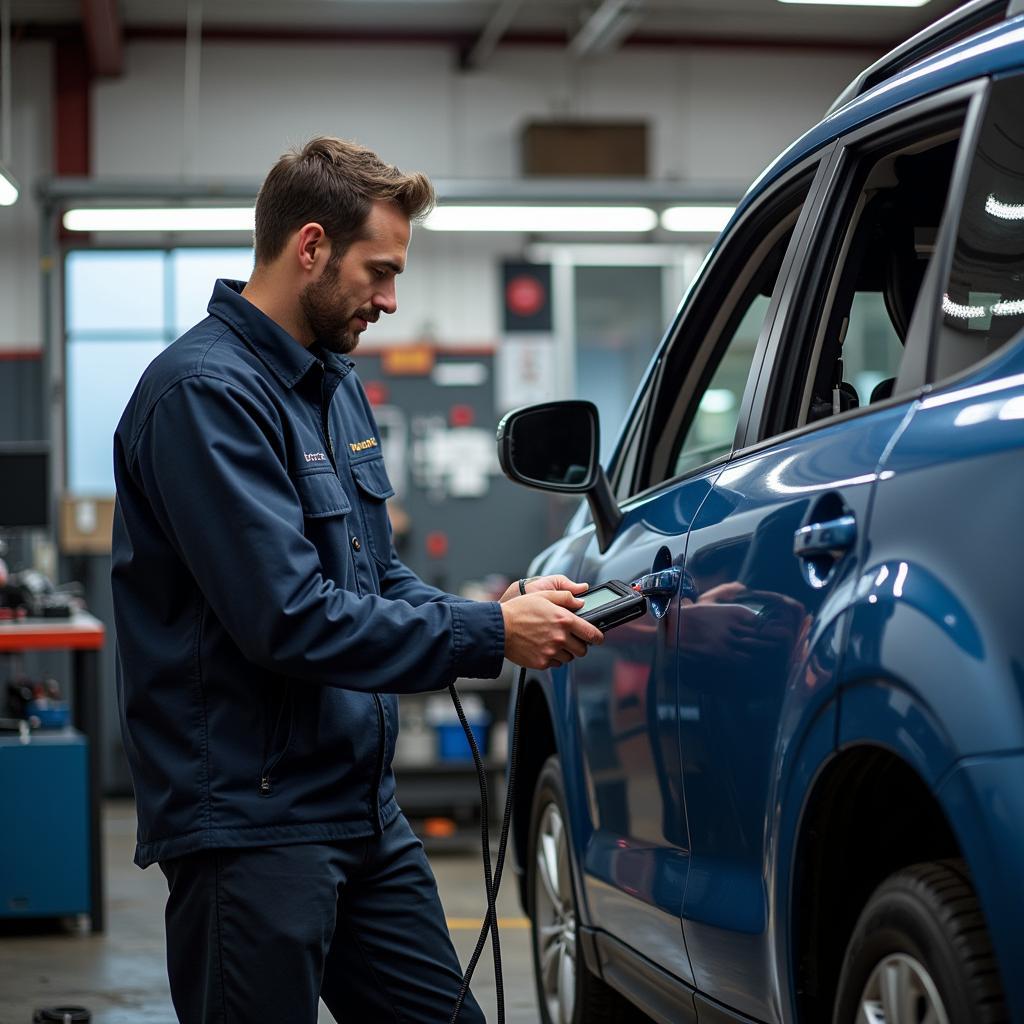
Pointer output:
x,y
830,539
820,546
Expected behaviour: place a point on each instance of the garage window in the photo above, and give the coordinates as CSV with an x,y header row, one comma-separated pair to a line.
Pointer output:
x,y
122,308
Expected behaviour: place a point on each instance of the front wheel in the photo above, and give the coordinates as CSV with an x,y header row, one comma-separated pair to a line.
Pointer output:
x,y
920,954
567,992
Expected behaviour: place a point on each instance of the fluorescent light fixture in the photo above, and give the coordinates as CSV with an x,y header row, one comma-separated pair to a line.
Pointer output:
x,y
176,219
542,219
696,220
8,187
718,400
1004,211
608,254
958,311
860,3
1009,307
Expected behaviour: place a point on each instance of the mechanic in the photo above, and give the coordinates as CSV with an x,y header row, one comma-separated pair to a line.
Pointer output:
x,y
265,625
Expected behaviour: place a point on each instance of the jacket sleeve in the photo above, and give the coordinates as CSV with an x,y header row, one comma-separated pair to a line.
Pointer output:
x,y
399,583
210,459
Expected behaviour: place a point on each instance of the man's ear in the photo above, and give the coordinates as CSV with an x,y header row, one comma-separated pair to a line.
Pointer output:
x,y
311,246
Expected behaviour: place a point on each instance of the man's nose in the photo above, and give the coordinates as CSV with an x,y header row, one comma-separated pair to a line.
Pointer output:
x,y
386,300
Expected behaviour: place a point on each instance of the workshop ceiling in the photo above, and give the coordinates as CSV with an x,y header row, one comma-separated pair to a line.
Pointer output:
x,y
587,27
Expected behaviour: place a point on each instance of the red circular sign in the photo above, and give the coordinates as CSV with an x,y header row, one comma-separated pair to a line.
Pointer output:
x,y
524,295
437,544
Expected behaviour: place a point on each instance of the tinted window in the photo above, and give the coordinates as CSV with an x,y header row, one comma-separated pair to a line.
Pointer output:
x,y
709,362
983,302
711,430
863,284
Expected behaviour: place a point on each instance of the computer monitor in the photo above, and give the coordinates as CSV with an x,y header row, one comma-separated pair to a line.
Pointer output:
x,y
24,485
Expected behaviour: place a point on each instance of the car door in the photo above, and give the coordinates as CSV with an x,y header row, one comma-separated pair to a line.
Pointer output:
x,y
636,850
773,551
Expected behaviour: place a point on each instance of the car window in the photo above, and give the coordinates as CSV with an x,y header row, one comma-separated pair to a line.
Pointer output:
x,y
711,431
705,372
983,301
867,301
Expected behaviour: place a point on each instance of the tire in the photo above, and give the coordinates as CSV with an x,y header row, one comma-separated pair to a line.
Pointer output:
x,y
567,992
920,954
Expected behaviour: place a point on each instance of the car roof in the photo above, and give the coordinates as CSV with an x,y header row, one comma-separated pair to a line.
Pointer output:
x,y
991,51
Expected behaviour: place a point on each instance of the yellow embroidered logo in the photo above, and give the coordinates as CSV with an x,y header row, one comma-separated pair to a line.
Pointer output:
x,y
361,446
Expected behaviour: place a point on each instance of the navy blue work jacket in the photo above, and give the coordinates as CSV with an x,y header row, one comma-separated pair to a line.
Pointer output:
x,y
264,622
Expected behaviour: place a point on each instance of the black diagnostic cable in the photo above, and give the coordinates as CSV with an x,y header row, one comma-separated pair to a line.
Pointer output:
x,y
490,884
612,604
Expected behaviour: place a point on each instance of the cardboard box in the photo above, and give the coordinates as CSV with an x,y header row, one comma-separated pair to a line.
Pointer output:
x,y
585,149
86,525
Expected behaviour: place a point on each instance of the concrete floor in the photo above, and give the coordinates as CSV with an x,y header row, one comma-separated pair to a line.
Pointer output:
x,y
120,975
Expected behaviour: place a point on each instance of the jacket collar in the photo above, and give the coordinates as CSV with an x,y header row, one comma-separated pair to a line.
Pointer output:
x,y
282,354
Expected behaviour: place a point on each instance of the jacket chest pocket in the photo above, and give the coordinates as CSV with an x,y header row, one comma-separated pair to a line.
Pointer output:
x,y
374,489
322,495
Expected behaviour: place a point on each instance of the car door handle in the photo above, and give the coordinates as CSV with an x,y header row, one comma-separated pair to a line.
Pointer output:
x,y
830,539
663,584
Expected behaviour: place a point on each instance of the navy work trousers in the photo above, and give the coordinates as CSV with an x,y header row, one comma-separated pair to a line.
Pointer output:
x,y
259,935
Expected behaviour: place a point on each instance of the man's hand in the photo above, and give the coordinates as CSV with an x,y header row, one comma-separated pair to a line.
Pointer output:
x,y
536,584
542,629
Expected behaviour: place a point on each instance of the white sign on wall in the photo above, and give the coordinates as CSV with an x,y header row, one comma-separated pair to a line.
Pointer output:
x,y
525,371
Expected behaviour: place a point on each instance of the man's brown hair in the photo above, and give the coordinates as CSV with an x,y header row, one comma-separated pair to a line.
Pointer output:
x,y
334,183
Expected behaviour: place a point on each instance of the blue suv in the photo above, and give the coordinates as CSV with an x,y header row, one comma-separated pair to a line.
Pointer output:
x,y
794,791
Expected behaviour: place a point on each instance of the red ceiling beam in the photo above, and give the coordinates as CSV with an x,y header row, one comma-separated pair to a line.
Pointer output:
x,y
104,36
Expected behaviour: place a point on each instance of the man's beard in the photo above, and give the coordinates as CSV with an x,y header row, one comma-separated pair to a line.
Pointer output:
x,y
327,315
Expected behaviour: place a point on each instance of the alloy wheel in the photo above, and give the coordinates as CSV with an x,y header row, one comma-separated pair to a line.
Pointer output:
x,y
555,917
900,991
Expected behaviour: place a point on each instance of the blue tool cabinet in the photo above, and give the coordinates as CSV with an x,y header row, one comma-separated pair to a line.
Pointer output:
x,y
44,824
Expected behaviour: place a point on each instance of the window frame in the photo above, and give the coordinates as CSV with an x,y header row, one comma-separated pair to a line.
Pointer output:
x,y
935,338
658,400
829,229
62,383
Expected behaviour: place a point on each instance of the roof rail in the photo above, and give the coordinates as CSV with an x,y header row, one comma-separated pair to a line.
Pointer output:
x,y
958,24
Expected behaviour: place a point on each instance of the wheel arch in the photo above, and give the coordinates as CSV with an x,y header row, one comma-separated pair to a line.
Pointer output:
x,y
864,791
538,724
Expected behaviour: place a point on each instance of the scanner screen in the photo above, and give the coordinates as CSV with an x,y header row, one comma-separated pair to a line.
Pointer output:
x,y
597,598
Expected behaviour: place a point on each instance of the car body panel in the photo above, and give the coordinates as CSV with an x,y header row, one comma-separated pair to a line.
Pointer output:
x,y
691,748
734,687
635,856
938,608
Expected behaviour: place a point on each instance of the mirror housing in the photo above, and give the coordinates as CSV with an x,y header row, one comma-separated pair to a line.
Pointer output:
x,y
555,446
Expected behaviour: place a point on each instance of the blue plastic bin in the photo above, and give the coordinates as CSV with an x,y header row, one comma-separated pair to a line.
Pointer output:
x,y
452,744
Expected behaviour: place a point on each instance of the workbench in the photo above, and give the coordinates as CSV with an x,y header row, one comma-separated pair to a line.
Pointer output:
x,y
82,636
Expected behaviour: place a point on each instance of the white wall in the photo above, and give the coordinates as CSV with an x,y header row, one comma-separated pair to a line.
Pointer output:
x,y
715,116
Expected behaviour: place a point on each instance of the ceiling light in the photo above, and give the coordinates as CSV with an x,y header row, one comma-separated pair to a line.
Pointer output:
x,y
8,187
607,254
542,219
703,220
1004,211
193,218
860,3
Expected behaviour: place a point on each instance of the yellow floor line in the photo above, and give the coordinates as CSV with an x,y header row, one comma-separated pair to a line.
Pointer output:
x,y
474,923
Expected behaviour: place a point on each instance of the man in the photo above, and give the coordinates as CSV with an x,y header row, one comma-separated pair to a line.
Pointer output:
x,y
264,625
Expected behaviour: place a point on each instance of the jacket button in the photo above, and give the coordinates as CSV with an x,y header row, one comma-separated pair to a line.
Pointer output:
x,y
355,544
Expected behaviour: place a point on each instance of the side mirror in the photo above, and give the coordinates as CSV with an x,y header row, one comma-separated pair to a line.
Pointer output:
x,y
555,446
552,446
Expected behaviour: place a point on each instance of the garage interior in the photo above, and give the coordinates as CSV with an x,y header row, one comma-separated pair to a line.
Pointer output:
x,y
585,155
